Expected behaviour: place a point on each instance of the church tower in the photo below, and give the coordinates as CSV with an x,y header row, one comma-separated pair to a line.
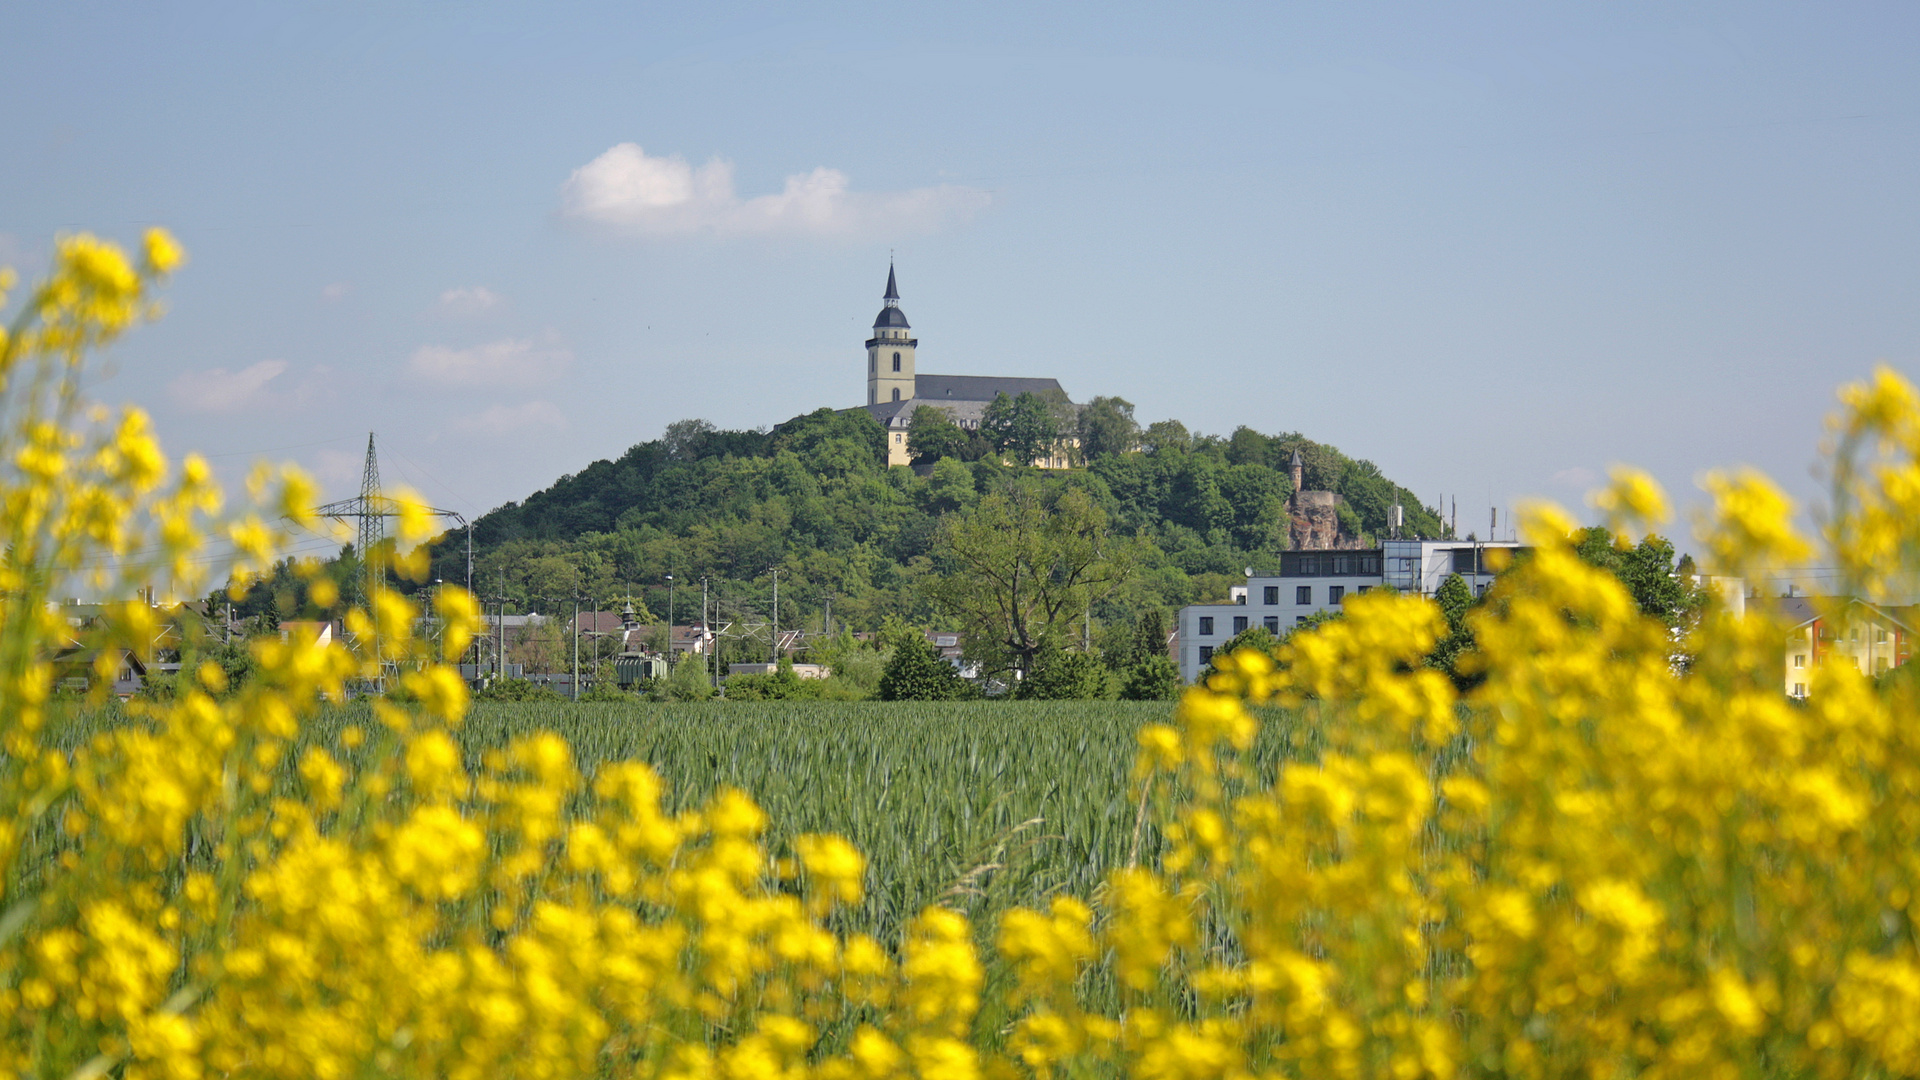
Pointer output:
x,y
890,351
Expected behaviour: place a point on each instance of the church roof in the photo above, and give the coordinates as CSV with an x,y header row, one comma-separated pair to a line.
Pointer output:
x,y
978,387
893,291
891,318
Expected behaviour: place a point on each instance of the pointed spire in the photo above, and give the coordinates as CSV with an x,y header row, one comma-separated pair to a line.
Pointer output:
x,y
893,291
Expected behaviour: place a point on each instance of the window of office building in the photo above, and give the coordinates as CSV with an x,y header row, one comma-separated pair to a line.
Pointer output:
x,y
1299,620
1303,594
1272,623
1335,593
1206,626
1364,588
1206,653
1270,595
1239,623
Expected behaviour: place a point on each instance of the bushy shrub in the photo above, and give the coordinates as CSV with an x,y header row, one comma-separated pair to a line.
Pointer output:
x,y
606,690
915,672
689,680
1153,678
780,684
1062,675
511,689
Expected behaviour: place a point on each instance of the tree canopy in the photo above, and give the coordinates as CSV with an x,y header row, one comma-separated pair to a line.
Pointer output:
x,y
1022,429
1031,558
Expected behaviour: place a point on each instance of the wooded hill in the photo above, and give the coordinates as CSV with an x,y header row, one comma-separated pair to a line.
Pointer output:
x,y
814,498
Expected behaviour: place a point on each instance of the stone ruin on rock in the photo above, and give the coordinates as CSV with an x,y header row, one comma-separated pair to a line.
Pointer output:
x,y
1314,517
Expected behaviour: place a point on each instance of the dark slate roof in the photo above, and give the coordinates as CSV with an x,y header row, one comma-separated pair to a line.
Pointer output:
x,y
1792,610
886,411
1799,610
891,318
978,387
893,293
897,414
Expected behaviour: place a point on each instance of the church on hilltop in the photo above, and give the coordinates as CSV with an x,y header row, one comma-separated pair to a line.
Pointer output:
x,y
895,389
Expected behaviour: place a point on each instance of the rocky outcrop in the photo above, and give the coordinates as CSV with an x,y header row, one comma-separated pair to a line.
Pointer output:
x,y
1315,523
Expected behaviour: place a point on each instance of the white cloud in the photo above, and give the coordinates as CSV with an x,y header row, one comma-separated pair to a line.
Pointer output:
x,y
468,302
509,419
1577,476
627,191
336,291
218,390
507,362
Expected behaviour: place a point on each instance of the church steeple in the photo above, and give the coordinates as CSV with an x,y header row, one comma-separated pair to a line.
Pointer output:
x,y
890,351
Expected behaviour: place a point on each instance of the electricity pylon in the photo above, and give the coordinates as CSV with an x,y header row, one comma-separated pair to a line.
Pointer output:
x,y
370,511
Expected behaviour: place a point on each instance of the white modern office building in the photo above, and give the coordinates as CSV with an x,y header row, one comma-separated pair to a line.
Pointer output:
x,y
1311,581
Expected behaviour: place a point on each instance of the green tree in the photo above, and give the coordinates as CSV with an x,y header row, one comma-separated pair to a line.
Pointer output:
x,y
1030,559
687,681
1195,499
1455,599
1149,637
1107,427
269,621
1064,675
1166,436
685,439
916,672
1248,447
1146,672
950,487
1154,678
1023,429
1647,570
932,435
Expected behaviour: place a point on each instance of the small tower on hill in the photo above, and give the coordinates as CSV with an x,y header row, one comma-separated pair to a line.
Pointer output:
x,y
890,351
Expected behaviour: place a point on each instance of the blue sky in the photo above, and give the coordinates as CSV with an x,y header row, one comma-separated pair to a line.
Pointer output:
x,y
1492,247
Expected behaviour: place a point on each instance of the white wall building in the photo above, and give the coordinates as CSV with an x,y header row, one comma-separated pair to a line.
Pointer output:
x,y
1311,581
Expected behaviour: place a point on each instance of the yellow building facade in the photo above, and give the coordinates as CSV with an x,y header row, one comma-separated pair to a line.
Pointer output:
x,y
1872,639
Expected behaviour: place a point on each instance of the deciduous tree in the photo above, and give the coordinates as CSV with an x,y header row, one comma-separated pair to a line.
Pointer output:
x,y
1023,429
1022,566
1106,426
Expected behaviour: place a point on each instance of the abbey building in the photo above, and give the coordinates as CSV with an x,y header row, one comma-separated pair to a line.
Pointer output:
x,y
895,389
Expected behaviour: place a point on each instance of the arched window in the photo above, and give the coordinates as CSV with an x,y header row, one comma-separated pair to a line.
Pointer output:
x,y
896,393
896,361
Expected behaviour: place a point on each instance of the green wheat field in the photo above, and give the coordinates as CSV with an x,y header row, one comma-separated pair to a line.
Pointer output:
x,y
978,806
